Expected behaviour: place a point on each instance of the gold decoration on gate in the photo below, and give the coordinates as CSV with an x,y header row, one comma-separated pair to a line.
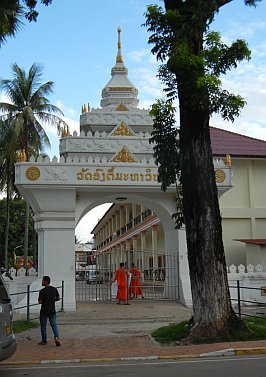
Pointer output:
x,y
220,176
65,131
227,160
21,156
124,156
33,173
121,107
122,130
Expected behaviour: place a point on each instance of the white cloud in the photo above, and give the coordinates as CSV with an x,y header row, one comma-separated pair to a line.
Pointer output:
x,y
235,30
142,56
148,84
89,221
54,137
4,98
137,56
66,110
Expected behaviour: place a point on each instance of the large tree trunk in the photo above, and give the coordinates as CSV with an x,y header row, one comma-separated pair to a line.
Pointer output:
x,y
212,311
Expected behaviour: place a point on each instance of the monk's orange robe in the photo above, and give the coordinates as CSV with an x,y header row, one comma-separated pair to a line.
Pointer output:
x,y
135,285
121,278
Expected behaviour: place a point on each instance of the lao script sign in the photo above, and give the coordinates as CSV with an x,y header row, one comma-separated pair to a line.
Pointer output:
x,y
80,175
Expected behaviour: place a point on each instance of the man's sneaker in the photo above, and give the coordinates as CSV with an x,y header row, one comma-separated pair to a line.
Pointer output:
x,y
57,343
42,343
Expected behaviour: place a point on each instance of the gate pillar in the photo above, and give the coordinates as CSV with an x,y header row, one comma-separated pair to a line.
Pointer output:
x,y
175,243
54,221
56,254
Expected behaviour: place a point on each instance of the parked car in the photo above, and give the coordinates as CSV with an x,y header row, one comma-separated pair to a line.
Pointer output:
x,y
8,342
93,276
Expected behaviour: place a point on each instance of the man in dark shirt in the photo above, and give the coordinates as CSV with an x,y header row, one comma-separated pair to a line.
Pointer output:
x,y
47,298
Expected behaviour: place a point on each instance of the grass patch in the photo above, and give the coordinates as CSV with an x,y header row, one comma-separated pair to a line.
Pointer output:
x,y
171,334
20,326
174,333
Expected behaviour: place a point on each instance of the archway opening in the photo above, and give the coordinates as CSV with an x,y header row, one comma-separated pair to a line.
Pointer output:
x,y
131,233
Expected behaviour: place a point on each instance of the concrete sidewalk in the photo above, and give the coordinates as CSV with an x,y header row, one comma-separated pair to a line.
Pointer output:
x,y
104,331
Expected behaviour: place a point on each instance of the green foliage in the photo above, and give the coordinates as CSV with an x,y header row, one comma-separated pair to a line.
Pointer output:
x,y
193,59
172,333
29,105
20,326
12,13
178,216
32,14
165,138
16,228
166,151
175,333
7,159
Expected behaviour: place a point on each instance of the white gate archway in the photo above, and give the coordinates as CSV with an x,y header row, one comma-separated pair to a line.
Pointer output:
x,y
110,159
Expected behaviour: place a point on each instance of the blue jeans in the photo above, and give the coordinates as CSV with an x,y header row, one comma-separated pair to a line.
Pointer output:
x,y
43,322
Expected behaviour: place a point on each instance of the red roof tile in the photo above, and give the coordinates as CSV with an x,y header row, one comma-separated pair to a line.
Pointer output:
x,y
261,242
236,145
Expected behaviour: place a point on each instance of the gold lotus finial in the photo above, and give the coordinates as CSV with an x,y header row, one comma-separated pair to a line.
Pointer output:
x,y
119,58
228,161
65,131
21,156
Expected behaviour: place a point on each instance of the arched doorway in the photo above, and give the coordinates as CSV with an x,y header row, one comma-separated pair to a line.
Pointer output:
x,y
129,233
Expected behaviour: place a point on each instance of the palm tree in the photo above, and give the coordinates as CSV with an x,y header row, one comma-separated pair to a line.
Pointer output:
x,y
29,107
7,173
11,13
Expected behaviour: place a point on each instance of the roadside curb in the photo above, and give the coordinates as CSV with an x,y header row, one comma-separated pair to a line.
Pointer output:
x,y
220,353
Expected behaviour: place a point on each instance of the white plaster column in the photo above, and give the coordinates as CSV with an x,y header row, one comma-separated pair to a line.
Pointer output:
x,y
175,243
134,211
109,227
56,256
143,240
135,243
121,217
54,222
113,228
143,248
154,240
127,245
117,218
127,214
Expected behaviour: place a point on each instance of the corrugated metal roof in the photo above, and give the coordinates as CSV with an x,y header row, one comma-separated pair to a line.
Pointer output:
x,y
236,145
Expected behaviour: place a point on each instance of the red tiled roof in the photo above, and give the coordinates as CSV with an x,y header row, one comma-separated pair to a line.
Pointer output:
x,y
236,145
261,242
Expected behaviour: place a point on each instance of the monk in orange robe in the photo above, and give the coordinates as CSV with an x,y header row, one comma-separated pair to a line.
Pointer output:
x,y
135,289
121,276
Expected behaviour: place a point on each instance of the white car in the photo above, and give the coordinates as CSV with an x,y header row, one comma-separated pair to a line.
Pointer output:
x,y
93,276
8,342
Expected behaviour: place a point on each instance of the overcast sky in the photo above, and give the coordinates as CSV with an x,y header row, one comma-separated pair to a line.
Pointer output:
x,y
76,43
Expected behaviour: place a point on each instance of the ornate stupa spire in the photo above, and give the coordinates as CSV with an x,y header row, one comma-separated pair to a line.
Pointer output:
x,y
119,92
119,58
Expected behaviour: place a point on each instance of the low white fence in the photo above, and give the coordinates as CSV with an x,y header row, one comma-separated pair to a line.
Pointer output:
x,y
252,284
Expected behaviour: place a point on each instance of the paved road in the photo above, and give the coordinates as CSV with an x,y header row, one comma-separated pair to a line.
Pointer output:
x,y
237,367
